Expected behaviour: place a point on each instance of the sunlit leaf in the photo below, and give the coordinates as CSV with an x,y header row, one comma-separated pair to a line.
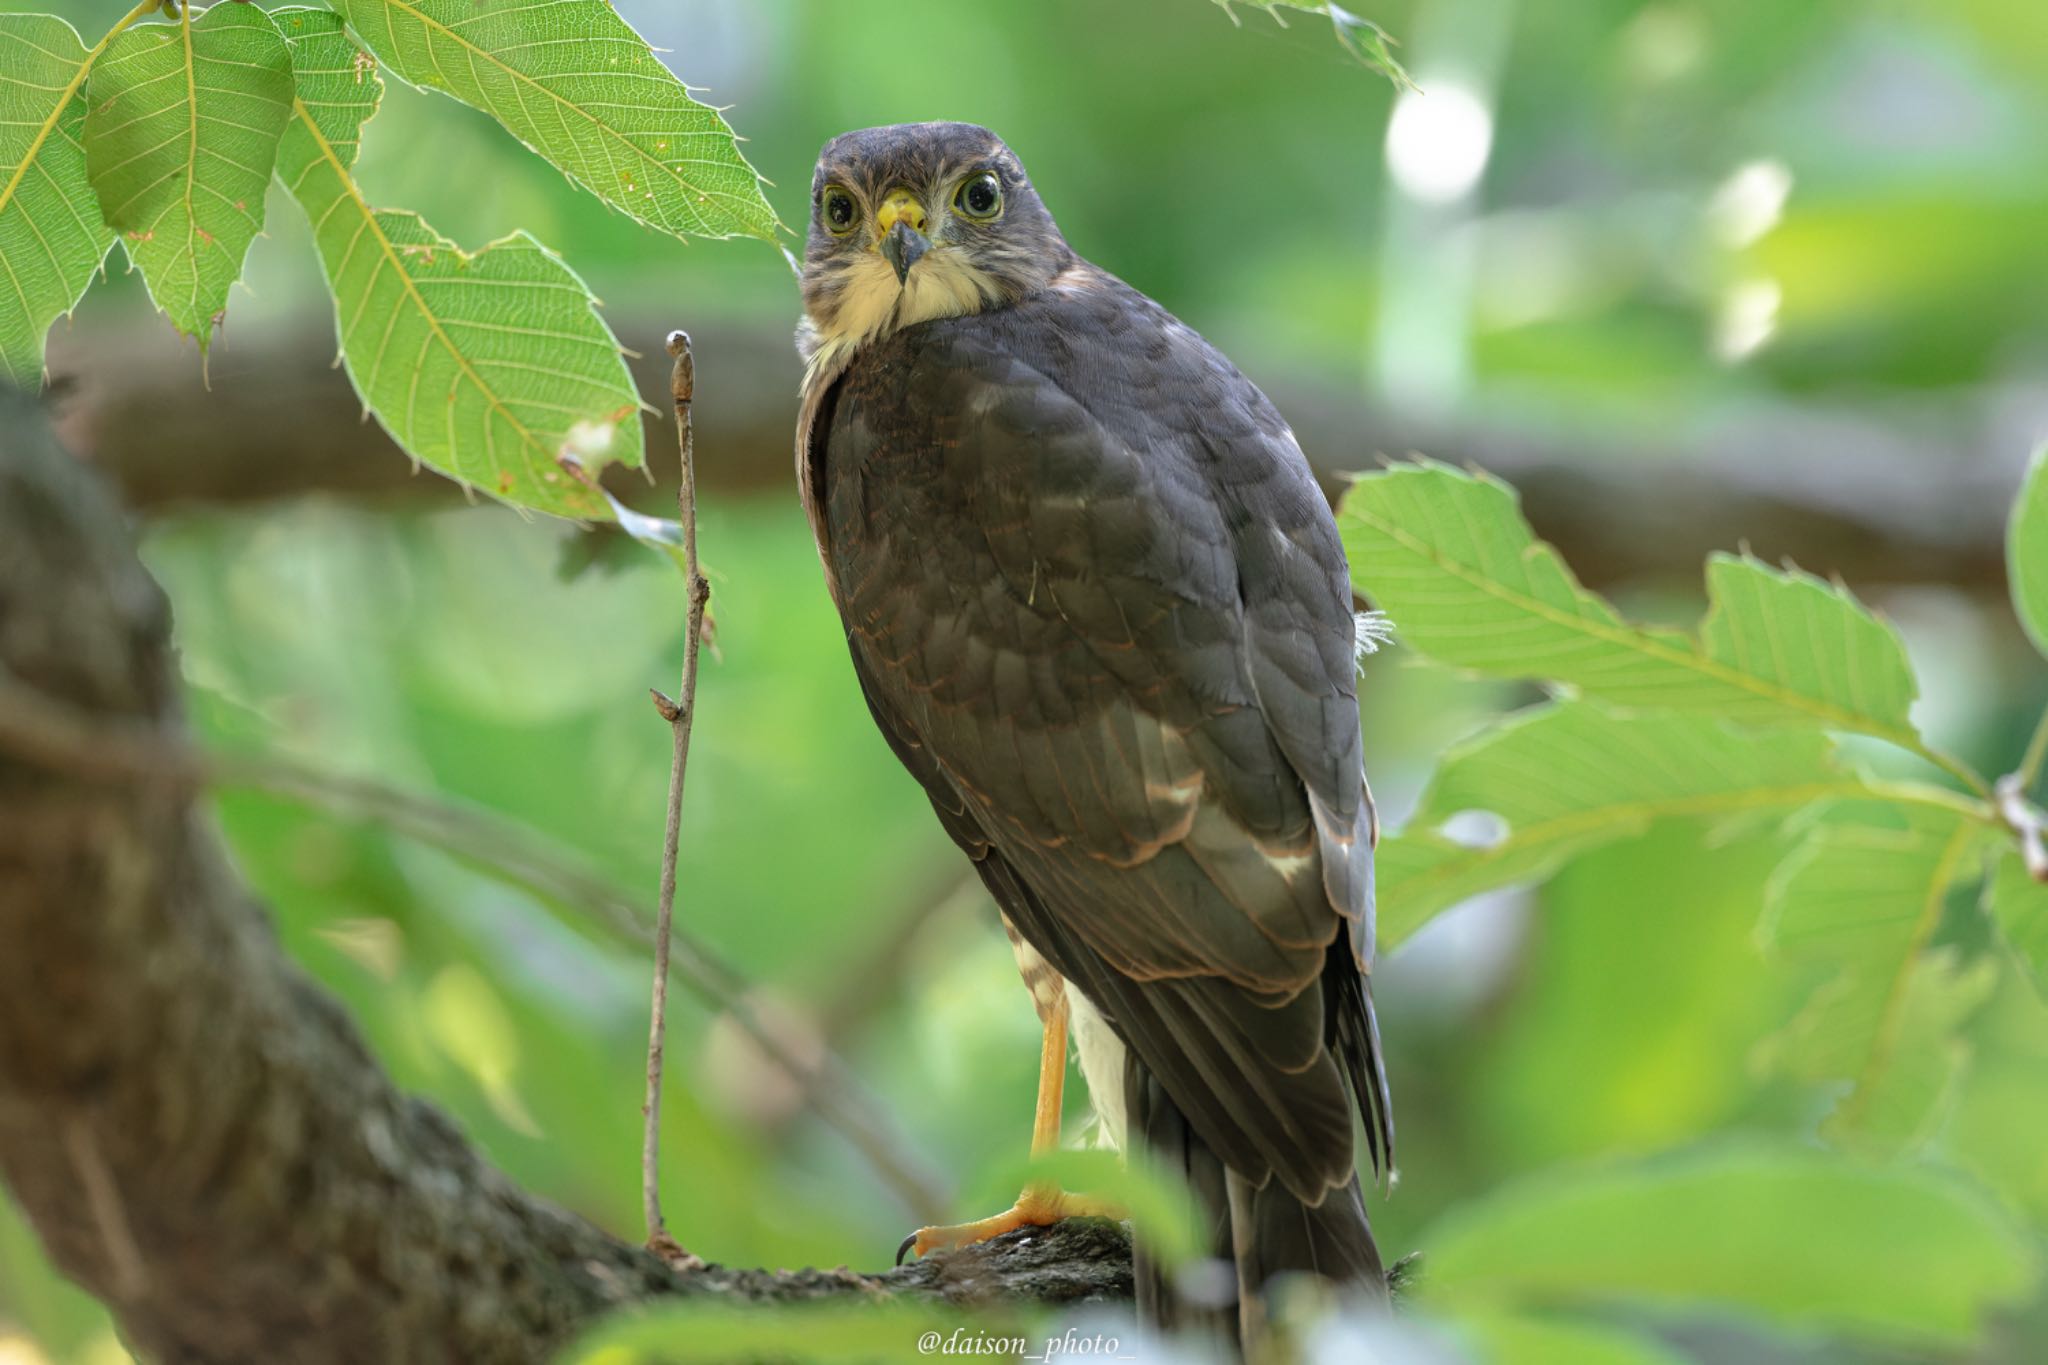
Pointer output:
x,y
181,134
1787,1235
2026,552
1449,557
574,82
489,366
1570,777
1865,895
1804,648
51,236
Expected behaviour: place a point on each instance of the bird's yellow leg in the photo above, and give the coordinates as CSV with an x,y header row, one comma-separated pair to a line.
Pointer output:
x,y
1042,1202
1052,1080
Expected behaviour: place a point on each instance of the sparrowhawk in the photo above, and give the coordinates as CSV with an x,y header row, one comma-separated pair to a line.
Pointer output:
x,y
1099,609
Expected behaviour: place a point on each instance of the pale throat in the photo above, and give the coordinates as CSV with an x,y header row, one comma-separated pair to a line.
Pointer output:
x,y
872,304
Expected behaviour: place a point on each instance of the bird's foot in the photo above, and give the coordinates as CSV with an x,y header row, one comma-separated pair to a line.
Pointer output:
x,y
1036,1207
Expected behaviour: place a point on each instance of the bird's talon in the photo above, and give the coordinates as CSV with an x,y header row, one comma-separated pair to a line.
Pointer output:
x,y
1035,1208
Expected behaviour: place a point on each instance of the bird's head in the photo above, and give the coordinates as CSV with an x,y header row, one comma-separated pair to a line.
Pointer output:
x,y
920,221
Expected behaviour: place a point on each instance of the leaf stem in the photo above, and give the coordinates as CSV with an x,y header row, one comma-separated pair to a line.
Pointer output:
x,y
1954,767
134,16
2029,770
679,713
1929,794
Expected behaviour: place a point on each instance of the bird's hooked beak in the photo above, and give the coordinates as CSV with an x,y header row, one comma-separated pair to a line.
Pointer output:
x,y
901,223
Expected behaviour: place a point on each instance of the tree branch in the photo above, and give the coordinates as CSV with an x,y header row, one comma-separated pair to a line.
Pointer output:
x,y
1933,477
196,1131
51,734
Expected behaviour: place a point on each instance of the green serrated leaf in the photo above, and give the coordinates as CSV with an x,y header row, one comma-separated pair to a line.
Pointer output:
x,y
574,82
490,366
1901,1104
1804,648
1449,557
1572,777
2019,906
1865,893
335,90
2026,552
1784,1234
181,133
51,236
1866,881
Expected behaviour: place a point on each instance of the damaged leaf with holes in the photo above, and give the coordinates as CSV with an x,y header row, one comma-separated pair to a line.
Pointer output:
x,y
573,81
489,366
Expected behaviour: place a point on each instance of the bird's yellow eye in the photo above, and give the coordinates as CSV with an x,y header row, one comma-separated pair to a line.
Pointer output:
x,y
979,196
838,210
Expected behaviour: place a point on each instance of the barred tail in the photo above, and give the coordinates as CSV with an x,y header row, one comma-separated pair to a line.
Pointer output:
x,y
1262,1231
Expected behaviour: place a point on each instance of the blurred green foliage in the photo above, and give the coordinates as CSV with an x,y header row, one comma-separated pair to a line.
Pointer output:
x,y
1683,209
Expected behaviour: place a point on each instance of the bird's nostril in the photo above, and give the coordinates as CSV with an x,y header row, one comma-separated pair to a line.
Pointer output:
x,y
901,206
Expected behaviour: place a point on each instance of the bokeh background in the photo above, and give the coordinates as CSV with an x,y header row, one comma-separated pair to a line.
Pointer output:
x,y
1692,273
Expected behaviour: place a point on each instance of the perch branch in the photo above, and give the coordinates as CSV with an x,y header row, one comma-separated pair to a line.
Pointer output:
x,y
194,1129
680,714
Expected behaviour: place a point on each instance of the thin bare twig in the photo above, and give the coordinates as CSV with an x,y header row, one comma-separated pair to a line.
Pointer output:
x,y
39,729
679,714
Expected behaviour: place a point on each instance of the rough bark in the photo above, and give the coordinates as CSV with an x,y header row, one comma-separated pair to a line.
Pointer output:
x,y
194,1128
